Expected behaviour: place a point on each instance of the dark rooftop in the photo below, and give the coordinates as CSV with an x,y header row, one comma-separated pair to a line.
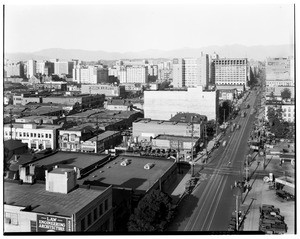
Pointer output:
x,y
79,160
131,176
103,135
14,144
176,138
43,201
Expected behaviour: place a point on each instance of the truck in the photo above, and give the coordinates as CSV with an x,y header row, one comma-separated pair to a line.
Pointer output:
x,y
224,143
237,126
243,114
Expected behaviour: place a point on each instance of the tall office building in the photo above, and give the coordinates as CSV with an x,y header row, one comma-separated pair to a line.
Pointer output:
x,y
178,73
197,71
230,71
63,67
14,69
31,68
90,74
137,74
45,68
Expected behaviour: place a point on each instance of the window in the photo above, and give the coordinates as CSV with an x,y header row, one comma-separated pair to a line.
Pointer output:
x,y
101,209
49,136
39,135
89,219
24,134
27,134
106,204
11,218
289,115
6,133
42,135
34,135
83,224
31,135
95,214
46,135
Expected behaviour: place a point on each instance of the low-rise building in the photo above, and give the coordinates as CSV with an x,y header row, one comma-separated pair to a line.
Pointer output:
x,y
163,104
118,104
35,136
56,206
147,129
107,90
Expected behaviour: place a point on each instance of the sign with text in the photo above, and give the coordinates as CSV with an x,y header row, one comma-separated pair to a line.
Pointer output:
x,y
52,224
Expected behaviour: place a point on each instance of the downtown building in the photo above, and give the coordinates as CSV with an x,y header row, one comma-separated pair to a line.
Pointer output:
x,y
63,67
191,72
133,74
31,68
45,68
14,69
90,74
279,73
230,72
57,205
164,104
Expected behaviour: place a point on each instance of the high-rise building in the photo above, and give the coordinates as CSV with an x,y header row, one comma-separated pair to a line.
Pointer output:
x,y
14,69
197,71
45,68
162,105
134,74
31,68
90,74
230,71
63,67
178,73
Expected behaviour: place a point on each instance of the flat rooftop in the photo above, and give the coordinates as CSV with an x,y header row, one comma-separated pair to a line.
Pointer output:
x,y
163,122
43,201
79,160
131,176
43,126
177,138
103,135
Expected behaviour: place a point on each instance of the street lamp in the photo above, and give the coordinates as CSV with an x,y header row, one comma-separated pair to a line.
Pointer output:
x,y
237,192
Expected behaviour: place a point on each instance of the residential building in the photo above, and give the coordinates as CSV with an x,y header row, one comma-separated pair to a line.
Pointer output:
x,y
106,89
35,136
230,71
59,205
163,104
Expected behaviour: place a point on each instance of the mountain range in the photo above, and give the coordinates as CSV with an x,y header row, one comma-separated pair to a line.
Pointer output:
x,y
258,52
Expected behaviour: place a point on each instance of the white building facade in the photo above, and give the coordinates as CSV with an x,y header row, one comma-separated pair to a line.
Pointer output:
x,y
162,105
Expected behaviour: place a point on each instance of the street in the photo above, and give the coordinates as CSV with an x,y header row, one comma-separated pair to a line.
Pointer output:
x,y
210,206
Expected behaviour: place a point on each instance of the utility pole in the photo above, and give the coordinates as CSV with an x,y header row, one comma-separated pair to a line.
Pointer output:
x,y
192,150
205,137
237,212
97,132
11,125
224,116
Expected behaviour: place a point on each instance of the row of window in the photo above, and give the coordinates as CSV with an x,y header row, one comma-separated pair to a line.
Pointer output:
x,y
32,135
94,215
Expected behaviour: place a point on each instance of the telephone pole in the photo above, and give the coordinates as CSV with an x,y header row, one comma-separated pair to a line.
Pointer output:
x,y
11,124
192,150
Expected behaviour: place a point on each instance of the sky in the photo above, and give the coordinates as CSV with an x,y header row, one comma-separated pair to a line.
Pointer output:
x,y
133,27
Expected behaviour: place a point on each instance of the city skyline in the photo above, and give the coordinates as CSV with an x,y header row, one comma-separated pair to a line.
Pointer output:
x,y
143,27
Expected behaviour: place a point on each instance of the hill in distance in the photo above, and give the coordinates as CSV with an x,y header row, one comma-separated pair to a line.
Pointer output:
x,y
251,52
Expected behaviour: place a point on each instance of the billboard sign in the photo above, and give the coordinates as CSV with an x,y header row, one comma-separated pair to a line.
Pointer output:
x,y
52,224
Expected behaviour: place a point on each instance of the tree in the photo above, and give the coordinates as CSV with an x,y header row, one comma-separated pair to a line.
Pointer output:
x,y
225,107
153,212
286,93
